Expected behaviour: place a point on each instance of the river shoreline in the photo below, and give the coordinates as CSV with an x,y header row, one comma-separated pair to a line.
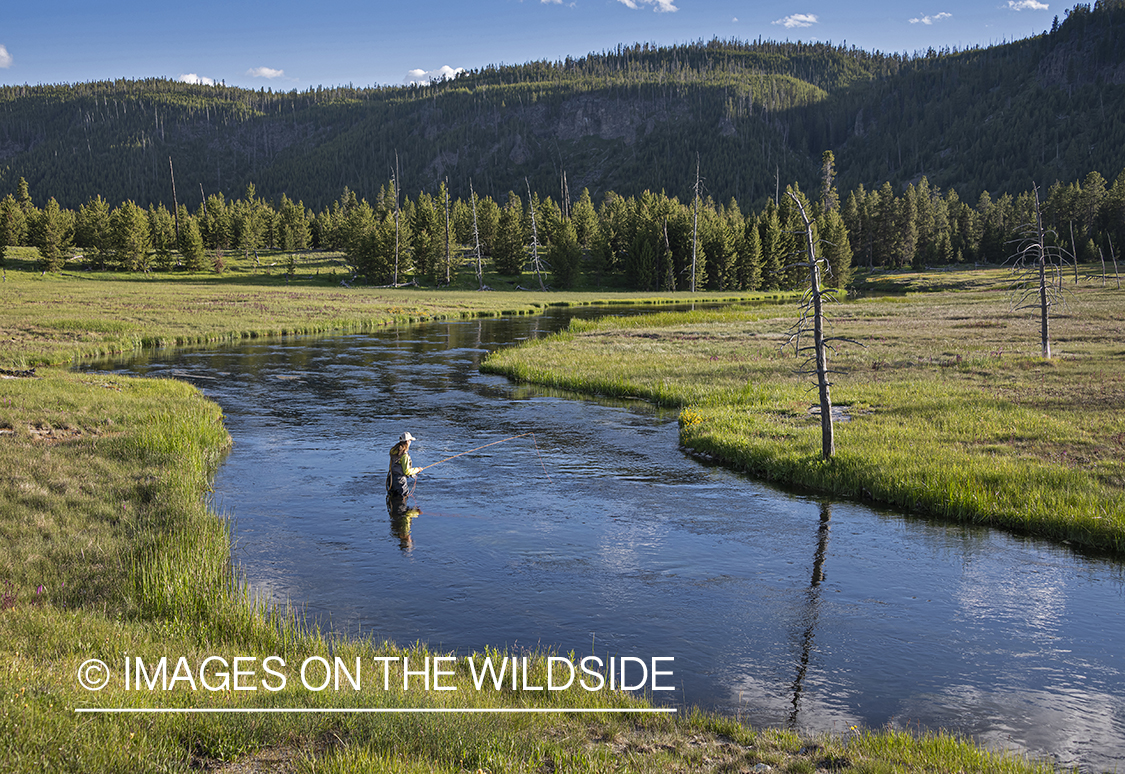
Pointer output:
x,y
953,417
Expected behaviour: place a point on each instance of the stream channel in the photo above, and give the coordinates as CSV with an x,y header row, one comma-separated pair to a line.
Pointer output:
x,y
599,535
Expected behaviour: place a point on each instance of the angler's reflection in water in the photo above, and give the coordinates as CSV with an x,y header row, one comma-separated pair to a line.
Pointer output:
x,y
401,514
812,610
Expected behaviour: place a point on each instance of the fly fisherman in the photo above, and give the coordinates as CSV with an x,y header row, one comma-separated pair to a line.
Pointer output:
x,y
401,467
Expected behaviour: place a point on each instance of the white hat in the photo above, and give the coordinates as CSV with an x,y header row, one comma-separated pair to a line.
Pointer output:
x,y
406,437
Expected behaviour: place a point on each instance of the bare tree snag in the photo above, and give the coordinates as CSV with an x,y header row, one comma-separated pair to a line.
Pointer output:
x,y
1113,257
535,236
476,237
175,202
814,306
695,226
448,257
394,182
1038,267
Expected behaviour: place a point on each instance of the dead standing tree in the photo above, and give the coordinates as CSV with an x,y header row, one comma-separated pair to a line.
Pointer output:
x,y
535,235
394,182
812,315
476,238
1038,269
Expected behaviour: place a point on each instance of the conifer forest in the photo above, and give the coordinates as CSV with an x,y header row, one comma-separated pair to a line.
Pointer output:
x,y
650,168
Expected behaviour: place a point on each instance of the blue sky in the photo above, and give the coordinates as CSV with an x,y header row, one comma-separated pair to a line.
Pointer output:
x,y
286,45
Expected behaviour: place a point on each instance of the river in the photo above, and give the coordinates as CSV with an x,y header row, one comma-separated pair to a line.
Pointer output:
x,y
599,535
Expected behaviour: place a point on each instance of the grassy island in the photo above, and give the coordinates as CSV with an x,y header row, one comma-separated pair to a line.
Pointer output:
x,y
108,551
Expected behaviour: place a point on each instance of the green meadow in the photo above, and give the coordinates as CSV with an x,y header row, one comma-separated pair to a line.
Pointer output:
x,y
51,319
946,407
109,552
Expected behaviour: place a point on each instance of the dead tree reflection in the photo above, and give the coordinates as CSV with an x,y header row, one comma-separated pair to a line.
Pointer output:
x,y
811,612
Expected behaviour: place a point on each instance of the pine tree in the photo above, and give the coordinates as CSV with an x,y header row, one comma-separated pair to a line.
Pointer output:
x,y
642,268
564,255
163,234
508,252
92,231
23,196
906,230
750,256
130,237
616,226
462,222
427,233
214,221
717,243
771,240
986,227
293,225
13,222
585,220
1093,193
856,223
837,250
548,216
191,245
645,255
885,219
829,198
793,270
373,250
924,209
249,226
52,233
964,226
488,222
996,220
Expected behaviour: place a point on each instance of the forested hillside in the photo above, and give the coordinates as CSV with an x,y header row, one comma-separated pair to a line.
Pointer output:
x,y
1045,109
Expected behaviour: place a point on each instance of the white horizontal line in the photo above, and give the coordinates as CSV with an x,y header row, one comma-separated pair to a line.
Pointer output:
x,y
397,710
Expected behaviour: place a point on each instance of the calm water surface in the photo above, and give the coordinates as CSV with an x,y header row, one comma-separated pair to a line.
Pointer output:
x,y
599,535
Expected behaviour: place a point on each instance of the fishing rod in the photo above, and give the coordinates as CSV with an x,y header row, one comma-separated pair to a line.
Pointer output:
x,y
470,451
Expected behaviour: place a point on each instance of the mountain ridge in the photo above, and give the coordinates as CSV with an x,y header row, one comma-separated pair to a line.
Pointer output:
x,y
1045,108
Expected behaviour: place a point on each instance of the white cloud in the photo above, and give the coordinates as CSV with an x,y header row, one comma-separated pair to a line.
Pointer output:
x,y
548,2
5,57
1027,5
424,76
797,20
264,72
193,78
931,19
660,6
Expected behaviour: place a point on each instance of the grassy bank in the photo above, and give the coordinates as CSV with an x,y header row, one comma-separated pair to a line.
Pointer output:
x,y
54,318
108,553
950,409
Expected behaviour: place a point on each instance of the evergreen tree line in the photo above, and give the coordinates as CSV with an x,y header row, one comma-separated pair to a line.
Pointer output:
x,y
132,238
926,227
640,242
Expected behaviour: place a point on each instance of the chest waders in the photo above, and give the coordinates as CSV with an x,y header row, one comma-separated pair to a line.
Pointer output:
x,y
396,476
